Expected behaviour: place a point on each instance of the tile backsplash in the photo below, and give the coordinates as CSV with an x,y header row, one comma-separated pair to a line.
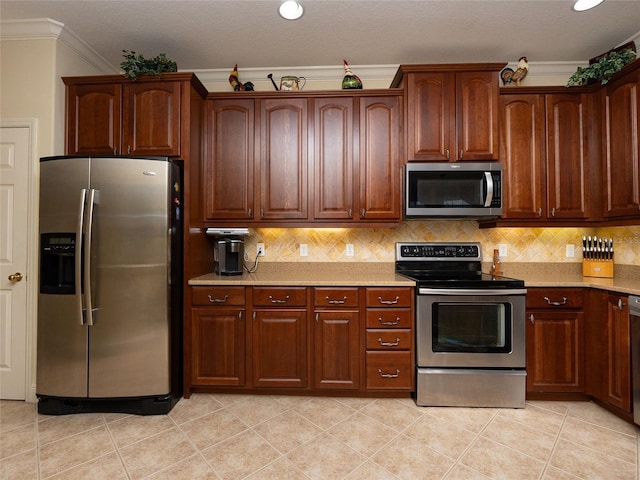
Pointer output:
x,y
378,244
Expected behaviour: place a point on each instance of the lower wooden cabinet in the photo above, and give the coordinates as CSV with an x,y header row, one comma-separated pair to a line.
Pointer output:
x,y
325,339
218,336
555,343
618,353
389,358
336,333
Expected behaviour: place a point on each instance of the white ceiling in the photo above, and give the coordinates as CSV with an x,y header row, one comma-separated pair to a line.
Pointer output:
x,y
215,34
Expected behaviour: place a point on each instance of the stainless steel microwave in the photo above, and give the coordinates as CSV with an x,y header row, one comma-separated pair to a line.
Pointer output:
x,y
433,189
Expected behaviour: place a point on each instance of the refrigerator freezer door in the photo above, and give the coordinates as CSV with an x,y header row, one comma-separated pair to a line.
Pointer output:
x,y
129,340
62,339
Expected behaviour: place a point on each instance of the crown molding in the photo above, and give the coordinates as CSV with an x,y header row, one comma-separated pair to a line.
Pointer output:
x,y
48,29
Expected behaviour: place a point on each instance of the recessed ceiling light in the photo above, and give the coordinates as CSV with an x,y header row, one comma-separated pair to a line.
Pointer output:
x,y
291,10
582,5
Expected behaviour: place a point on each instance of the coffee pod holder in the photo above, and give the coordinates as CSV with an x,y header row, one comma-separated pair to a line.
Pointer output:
x,y
597,268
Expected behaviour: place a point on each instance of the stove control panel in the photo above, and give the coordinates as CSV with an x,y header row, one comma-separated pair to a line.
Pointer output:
x,y
438,251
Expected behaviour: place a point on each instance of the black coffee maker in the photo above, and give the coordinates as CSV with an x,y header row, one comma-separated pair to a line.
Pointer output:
x,y
228,256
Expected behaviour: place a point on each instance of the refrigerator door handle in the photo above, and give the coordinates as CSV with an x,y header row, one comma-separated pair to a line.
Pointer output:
x,y
87,258
78,256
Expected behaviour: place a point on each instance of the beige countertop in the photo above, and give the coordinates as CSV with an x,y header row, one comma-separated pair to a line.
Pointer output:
x,y
626,280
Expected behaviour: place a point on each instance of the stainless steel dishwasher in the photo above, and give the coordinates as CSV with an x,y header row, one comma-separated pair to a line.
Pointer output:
x,y
634,313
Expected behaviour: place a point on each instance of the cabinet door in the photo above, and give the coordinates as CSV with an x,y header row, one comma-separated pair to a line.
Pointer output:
x,y
380,158
618,387
477,116
622,129
333,180
522,154
218,346
279,340
431,112
229,159
151,118
93,119
567,153
336,350
555,351
283,159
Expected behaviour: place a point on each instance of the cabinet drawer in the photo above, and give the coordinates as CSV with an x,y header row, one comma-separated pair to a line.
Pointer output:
x,y
335,297
388,339
389,370
280,297
218,296
554,298
389,318
389,297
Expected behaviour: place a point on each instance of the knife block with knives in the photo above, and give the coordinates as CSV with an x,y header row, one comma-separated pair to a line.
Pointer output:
x,y
597,257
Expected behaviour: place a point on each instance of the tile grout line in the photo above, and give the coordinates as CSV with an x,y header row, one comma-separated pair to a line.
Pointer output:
x,y
117,449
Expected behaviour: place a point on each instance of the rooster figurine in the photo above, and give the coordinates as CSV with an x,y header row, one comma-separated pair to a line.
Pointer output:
x,y
521,71
235,83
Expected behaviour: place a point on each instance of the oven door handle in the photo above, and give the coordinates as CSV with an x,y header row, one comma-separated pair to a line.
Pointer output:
x,y
473,291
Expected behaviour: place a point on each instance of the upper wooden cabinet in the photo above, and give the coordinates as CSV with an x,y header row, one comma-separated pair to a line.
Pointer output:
x,y
621,171
545,154
110,115
452,111
312,159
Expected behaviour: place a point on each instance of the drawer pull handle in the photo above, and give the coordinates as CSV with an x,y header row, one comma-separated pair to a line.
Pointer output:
x,y
217,300
556,304
336,302
389,324
389,344
389,375
389,302
276,300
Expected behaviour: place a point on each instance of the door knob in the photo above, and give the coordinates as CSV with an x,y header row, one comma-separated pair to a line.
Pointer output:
x,y
15,277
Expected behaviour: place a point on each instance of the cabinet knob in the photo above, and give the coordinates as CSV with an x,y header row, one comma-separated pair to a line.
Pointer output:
x,y
540,212
388,344
556,304
389,375
389,302
115,152
553,212
262,213
250,213
532,319
128,149
363,212
461,154
217,300
279,301
621,304
335,302
350,213
447,154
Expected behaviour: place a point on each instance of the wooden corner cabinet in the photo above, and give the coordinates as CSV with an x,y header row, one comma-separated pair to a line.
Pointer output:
x,y
555,340
621,171
452,111
111,115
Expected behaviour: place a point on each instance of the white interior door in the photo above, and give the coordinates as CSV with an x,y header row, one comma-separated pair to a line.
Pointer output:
x,y
15,163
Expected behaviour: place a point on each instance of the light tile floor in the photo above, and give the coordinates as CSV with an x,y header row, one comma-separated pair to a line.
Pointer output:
x,y
280,437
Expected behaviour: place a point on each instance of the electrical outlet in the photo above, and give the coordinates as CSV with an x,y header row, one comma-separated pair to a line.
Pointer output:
x,y
350,250
260,249
570,251
304,251
502,250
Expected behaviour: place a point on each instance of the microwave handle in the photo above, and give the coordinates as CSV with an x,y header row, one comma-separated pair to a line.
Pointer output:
x,y
489,180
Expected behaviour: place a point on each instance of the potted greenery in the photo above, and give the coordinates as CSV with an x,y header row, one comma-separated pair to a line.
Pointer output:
x,y
135,65
602,69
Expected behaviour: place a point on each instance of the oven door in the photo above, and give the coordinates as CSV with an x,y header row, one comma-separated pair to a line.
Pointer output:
x,y
471,328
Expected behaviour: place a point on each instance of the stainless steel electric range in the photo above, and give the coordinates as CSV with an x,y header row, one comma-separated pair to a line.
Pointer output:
x,y
470,327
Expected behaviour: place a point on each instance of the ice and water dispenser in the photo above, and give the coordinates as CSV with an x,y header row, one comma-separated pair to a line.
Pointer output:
x,y
57,263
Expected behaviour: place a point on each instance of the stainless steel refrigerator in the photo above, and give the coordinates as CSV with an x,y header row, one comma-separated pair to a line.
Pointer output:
x,y
110,299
